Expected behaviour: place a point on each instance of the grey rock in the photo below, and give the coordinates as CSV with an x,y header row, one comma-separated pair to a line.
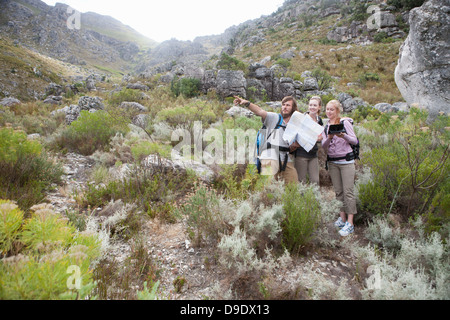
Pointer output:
x,y
310,84
177,162
9,102
231,83
55,100
349,103
236,111
423,70
290,54
138,86
90,83
383,107
133,105
54,89
401,106
88,103
141,120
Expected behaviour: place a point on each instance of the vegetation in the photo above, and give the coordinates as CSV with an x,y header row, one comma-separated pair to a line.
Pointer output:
x,y
43,250
188,87
26,170
264,239
90,132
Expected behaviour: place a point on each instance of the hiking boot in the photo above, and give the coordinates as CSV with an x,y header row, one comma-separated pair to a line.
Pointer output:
x,y
347,229
339,223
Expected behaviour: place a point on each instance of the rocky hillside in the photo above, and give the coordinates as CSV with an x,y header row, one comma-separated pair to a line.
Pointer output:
x,y
56,31
346,49
333,48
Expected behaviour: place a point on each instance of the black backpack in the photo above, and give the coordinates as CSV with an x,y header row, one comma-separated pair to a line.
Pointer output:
x,y
354,155
260,139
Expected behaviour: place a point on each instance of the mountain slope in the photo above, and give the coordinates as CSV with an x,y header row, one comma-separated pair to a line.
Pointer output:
x,y
100,41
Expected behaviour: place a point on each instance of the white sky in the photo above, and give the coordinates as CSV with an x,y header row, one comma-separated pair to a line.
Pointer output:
x,y
180,19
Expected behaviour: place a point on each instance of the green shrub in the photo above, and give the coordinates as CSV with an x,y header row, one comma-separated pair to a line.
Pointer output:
x,y
302,211
26,171
153,191
382,37
324,80
235,183
10,223
286,63
46,228
203,217
90,132
185,116
187,87
145,148
409,160
231,63
53,263
373,198
125,95
365,112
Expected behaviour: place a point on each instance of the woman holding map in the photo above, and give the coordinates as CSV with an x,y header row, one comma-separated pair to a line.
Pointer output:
x,y
307,162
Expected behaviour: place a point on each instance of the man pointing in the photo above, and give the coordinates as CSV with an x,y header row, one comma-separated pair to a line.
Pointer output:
x,y
274,150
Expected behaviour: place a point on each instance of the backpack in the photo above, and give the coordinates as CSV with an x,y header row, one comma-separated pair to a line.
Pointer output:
x,y
260,138
354,155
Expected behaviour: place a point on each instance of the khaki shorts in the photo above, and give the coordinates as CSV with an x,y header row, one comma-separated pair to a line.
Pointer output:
x,y
271,168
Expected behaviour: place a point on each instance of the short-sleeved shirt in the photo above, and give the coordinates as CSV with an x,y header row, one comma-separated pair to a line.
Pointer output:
x,y
275,138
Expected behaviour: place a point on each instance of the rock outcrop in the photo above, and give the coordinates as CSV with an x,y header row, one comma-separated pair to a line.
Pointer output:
x,y
72,112
423,71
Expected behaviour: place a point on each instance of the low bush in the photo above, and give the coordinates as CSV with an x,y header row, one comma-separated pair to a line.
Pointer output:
x,y
45,257
408,160
230,63
302,211
324,80
153,190
90,132
187,87
144,148
125,95
26,170
204,220
184,116
410,268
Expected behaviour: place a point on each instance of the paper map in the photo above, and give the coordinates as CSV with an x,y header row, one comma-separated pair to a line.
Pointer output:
x,y
303,129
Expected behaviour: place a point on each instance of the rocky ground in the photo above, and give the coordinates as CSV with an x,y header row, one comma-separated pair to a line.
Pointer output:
x,y
169,245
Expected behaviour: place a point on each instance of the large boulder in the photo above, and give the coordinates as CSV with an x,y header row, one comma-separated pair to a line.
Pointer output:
x,y
423,71
230,83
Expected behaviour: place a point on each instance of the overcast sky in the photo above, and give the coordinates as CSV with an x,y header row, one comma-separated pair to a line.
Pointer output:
x,y
180,19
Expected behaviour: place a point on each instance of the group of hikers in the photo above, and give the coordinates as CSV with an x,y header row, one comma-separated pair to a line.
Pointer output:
x,y
293,163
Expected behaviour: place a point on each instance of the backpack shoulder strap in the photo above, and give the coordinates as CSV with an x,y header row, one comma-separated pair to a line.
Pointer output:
x,y
280,122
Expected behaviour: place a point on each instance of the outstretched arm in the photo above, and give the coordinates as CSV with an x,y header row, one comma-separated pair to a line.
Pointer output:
x,y
253,107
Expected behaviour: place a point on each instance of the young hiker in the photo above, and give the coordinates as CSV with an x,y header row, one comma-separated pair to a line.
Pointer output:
x,y
274,151
307,163
341,165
